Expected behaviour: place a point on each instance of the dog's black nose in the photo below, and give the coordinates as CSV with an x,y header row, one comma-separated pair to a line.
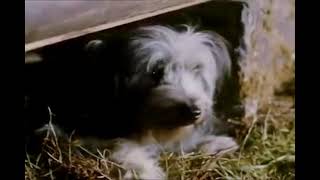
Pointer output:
x,y
195,112
190,113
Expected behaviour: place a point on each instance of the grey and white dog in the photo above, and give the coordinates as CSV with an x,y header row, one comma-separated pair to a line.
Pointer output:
x,y
168,91
178,73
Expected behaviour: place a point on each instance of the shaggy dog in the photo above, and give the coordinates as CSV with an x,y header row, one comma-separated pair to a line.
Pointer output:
x,y
166,91
174,74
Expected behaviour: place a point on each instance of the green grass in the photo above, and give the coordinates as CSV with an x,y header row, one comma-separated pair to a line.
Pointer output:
x,y
267,152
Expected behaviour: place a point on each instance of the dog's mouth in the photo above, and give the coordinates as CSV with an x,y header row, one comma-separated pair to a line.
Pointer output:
x,y
175,124
169,120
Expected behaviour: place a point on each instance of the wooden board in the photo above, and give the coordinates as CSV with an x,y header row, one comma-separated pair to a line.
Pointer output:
x,y
48,22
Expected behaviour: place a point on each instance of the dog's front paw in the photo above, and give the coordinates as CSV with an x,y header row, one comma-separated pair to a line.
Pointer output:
x,y
219,145
154,173
141,162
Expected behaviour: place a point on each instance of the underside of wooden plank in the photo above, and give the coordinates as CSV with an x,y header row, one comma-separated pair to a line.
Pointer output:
x,y
49,22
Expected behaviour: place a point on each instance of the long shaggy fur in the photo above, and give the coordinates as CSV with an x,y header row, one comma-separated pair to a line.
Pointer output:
x,y
170,79
187,66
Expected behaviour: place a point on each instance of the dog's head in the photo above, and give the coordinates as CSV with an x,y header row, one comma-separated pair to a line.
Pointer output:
x,y
176,73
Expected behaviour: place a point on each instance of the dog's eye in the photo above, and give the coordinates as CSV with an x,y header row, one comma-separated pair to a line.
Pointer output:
x,y
197,67
157,73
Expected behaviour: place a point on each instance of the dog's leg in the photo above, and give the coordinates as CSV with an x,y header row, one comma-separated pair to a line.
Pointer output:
x,y
139,160
218,145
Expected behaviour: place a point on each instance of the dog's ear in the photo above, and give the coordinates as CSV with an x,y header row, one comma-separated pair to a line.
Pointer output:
x,y
221,50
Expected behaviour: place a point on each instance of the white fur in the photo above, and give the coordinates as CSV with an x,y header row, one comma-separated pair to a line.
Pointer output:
x,y
185,50
138,158
192,55
195,58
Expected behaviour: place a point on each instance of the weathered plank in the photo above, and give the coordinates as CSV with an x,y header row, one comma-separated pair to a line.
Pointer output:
x,y
48,22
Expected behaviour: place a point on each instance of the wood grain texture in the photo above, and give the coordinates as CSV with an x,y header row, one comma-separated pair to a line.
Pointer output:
x,y
48,22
